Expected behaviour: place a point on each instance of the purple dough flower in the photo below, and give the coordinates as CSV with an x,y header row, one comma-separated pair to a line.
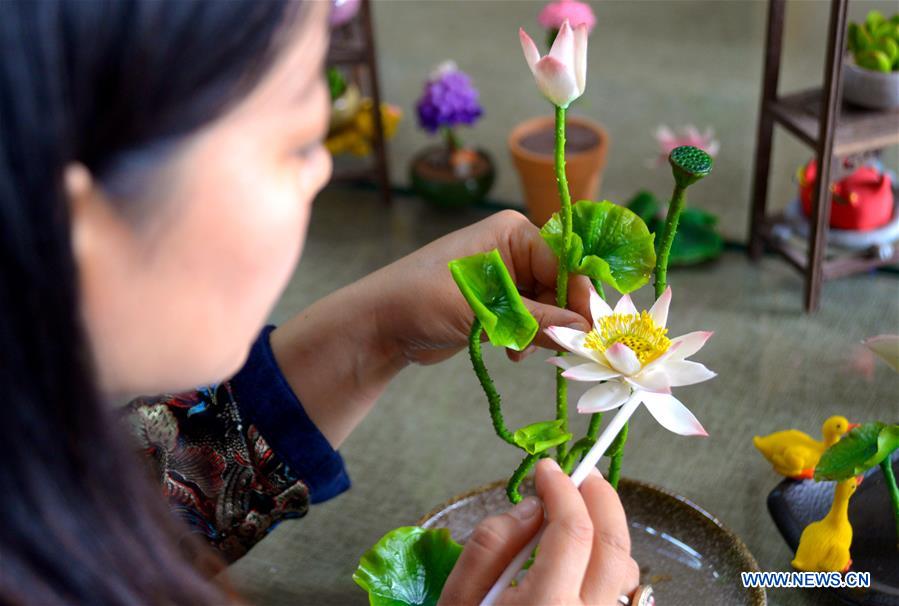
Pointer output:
x,y
448,99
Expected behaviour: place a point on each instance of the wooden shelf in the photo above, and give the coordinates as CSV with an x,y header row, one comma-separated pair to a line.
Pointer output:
x,y
833,130
838,265
857,129
353,47
344,53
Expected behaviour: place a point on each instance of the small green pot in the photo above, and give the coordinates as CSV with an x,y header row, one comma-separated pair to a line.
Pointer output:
x,y
451,180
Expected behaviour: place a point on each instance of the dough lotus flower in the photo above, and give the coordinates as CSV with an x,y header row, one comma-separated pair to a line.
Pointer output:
x,y
629,352
562,74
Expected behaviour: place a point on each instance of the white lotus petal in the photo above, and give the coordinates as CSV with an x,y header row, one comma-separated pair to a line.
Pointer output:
x,y
682,372
664,358
887,347
564,362
623,359
656,381
570,339
672,414
580,57
556,81
690,343
659,310
563,46
604,396
531,54
625,306
598,307
591,371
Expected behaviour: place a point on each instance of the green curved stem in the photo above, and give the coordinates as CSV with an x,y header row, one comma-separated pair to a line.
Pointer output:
x,y
593,427
617,450
886,466
493,399
518,476
562,278
675,207
575,454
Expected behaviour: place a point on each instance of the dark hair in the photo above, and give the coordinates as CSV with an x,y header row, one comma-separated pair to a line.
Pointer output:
x,y
91,81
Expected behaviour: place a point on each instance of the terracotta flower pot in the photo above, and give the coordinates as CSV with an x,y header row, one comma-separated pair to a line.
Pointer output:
x,y
532,144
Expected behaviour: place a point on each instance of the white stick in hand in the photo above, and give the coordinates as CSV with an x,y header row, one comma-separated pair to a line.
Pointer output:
x,y
578,476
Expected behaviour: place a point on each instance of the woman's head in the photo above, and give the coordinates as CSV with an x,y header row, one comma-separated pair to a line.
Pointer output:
x,y
157,161
184,239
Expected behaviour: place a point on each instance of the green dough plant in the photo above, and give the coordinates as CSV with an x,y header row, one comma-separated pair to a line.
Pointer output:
x,y
874,44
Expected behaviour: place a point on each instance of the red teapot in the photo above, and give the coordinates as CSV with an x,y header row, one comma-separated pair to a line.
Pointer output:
x,y
860,201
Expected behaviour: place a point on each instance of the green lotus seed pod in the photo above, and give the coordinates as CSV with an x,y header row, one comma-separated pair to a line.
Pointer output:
x,y
689,164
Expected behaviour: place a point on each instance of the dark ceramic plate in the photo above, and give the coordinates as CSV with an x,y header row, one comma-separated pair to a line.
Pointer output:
x,y
795,504
683,551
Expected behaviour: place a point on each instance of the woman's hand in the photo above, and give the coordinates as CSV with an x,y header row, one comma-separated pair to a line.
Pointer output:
x,y
425,316
584,554
339,354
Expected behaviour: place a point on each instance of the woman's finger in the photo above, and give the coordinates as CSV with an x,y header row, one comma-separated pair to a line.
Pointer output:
x,y
549,315
611,571
489,550
564,551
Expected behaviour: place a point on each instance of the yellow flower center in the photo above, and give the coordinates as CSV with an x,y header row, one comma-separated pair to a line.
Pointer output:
x,y
636,331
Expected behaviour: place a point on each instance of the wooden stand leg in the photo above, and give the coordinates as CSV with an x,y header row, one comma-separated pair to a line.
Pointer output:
x,y
830,108
380,147
771,73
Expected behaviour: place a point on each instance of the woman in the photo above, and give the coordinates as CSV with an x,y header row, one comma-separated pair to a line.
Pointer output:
x,y
158,164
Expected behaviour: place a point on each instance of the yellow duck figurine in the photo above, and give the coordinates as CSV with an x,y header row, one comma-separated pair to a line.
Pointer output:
x,y
794,453
824,545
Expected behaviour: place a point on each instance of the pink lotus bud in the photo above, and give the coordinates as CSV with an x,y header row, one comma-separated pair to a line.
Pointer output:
x,y
562,74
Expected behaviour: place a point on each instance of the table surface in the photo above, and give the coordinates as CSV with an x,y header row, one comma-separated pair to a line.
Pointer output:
x,y
430,438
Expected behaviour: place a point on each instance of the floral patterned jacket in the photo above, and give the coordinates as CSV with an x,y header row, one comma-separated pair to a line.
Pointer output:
x,y
235,459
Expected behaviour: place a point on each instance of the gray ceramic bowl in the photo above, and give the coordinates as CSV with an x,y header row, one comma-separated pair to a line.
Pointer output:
x,y
867,88
687,555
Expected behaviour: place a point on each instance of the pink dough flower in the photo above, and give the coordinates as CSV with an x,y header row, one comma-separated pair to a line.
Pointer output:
x,y
688,135
887,347
556,13
630,355
562,74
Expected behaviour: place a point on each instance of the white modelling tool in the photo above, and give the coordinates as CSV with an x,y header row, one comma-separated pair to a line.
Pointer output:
x,y
578,476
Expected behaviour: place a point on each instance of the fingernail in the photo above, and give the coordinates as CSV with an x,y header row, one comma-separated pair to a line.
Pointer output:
x,y
595,472
526,509
581,325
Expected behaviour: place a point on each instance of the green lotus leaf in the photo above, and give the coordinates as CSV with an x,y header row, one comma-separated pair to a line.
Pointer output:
x,y
608,243
487,286
696,239
407,567
858,451
537,437
645,205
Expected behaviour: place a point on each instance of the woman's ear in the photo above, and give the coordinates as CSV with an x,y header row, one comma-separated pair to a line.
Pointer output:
x,y
103,246
81,197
